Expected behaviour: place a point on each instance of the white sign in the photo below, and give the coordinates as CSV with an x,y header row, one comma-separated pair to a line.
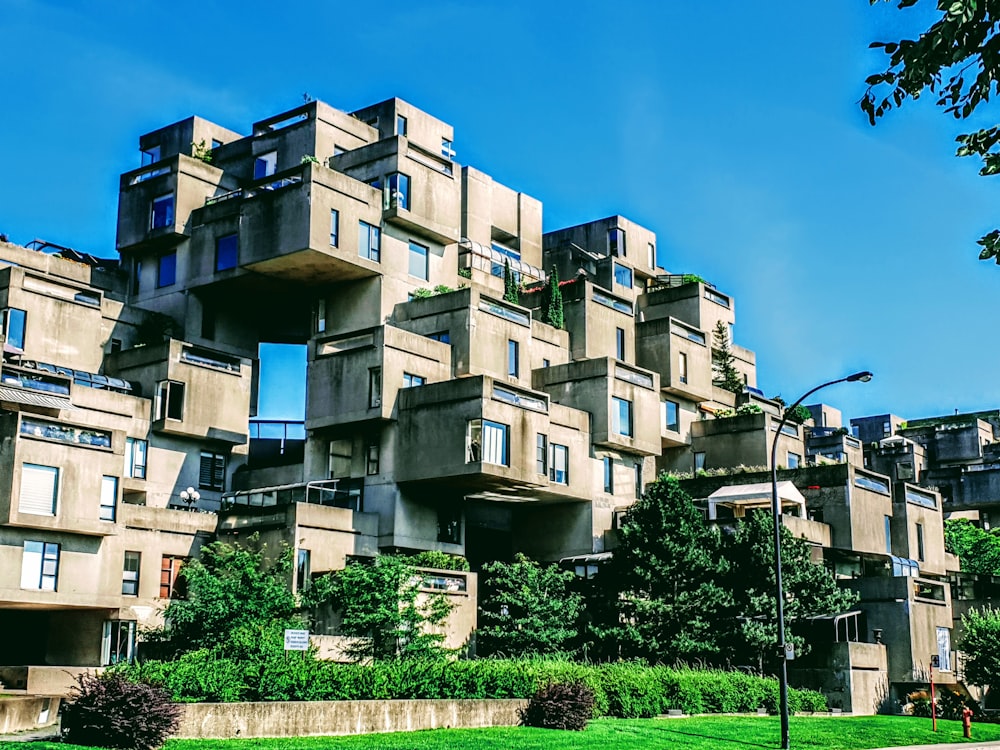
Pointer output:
x,y
296,640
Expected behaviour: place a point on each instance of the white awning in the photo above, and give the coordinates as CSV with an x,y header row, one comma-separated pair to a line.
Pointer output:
x,y
741,497
30,398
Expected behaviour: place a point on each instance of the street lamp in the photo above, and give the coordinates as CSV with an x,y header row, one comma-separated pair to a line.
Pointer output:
x,y
190,496
863,377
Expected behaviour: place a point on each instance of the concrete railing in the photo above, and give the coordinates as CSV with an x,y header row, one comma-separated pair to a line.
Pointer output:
x,y
325,718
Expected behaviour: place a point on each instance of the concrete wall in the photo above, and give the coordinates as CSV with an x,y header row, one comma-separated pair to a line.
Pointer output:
x,y
20,713
332,718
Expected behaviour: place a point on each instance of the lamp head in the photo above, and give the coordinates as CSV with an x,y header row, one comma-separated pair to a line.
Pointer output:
x,y
864,377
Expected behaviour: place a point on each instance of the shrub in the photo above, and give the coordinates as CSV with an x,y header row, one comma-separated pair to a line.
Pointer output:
x,y
433,558
566,705
109,710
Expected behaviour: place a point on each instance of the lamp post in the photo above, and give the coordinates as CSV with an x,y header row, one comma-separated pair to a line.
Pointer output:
x,y
864,377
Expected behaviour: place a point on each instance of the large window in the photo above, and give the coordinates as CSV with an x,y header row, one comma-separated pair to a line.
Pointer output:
x,y
166,269
397,186
118,642
170,400
699,460
130,573
620,343
486,441
40,566
419,255
150,155
341,456
541,454
171,587
13,328
410,380
109,498
227,251
623,275
621,416
616,242
162,211
794,459
135,458
559,463
265,165
449,525
334,227
39,490
513,358
369,241
671,416
212,471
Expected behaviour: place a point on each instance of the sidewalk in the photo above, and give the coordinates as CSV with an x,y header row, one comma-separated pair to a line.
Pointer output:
x,y
971,745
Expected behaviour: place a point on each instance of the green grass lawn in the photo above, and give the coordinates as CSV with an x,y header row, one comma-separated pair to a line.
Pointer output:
x,y
700,733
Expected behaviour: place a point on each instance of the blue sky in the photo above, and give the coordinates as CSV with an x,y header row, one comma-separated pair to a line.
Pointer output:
x,y
729,128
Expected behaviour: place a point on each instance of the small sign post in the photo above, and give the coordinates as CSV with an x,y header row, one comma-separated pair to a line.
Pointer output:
x,y
296,640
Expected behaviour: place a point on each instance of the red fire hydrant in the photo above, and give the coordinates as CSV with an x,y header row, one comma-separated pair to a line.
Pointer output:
x,y
967,722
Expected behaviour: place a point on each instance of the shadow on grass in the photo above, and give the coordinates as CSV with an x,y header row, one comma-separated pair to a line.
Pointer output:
x,y
731,740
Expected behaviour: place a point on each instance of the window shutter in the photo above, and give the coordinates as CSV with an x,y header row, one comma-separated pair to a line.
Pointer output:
x,y
38,490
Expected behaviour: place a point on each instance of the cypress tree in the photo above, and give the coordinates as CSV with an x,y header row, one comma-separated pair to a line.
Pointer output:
x,y
552,305
510,291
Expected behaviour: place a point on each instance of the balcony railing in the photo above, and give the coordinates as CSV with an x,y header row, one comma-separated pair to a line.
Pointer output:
x,y
321,492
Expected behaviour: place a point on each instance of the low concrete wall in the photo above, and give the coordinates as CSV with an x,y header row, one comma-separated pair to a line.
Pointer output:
x,y
18,713
323,718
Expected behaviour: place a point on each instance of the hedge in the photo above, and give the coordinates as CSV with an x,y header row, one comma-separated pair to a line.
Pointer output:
x,y
625,689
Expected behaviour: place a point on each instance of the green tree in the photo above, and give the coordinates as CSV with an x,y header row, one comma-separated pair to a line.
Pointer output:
x,y
668,573
981,644
384,609
552,301
723,362
810,590
979,550
511,292
235,595
526,608
799,414
956,59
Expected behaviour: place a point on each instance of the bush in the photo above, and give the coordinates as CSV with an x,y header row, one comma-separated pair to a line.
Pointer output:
x,y
566,705
433,558
110,710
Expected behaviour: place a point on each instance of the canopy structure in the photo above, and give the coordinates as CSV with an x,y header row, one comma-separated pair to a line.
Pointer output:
x,y
743,497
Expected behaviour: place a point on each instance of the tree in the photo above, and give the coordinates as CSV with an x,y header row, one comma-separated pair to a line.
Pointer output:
x,y
981,644
552,301
978,549
511,293
799,414
668,573
384,610
723,362
810,590
526,608
958,60
235,594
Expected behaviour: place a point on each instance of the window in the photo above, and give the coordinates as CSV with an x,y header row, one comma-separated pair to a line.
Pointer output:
x,y
609,475
794,459
886,429
888,535
135,458
374,387
621,416
170,400
369,241
334,227
497,268
651,252
559,463
265,165
171,587
447,148
136,276
40,566
150,155
920,542
616,242
116,346
372,459
303,562
212,471
162,211
671,416
638,480
620,343
944,649
623,275
410,380
449,525
699,460
487,442
227,250
39,490
682,367
443,336
400,125
109,498
118,642
546,363
397,187
166,269
512,358
130,574
419,266
13,328
541,454
341,454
